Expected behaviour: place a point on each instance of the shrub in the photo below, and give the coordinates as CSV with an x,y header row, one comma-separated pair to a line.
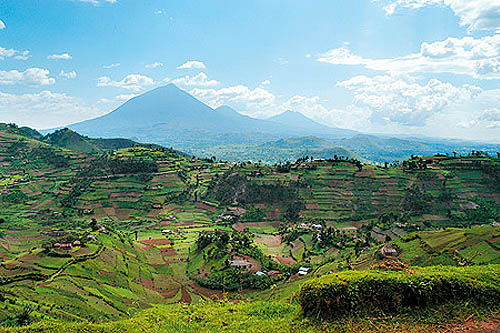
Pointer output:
x,y
374,292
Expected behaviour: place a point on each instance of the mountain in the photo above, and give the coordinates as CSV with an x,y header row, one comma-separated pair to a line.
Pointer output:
x,y
172,117
298,120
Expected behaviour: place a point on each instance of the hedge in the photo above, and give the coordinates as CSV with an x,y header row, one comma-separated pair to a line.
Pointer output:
x,y
374,292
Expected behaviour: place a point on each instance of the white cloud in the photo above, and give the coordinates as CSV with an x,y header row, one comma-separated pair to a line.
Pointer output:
x,y
159,12
44,110
200,80
111,65
256,102
265,83
119,98
135,82
67,75
404,101
282,61
62,56
192,64
351,118
7,53
155,64
479,58
2,25
474,14
31,76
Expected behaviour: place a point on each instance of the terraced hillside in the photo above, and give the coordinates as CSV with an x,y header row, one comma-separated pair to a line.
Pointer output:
x,y
101,235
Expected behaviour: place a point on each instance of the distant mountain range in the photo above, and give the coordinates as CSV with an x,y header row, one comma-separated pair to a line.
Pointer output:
x,y
171,117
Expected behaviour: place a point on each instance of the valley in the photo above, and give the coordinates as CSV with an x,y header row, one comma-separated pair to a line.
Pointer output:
x,y
103,234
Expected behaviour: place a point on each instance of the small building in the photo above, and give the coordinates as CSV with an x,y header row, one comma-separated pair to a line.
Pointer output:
x,y
88,211
389,250
91,237
495,224
240,263
316,226
157,206
303,271
77,243
260,273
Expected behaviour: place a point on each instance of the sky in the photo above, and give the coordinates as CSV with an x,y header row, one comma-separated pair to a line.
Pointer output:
x,y
414,67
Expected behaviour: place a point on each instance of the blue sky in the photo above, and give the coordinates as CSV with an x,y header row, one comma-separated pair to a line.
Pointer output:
x,y
429,67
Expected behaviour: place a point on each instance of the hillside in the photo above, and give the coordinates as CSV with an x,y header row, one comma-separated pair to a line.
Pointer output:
x,y
66,138
102,236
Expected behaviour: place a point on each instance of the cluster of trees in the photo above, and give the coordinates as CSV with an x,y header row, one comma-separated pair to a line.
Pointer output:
x,y
232,188
417,200
104,165
79,186
14,197
21,151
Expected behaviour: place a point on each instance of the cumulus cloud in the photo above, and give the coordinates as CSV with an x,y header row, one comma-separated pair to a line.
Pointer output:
x,y
19,55
155,64
192,64
135,82
31,76
476,57
474,14
351,117
403,101
62,56
255,101
117,64
67,75
45,109
200,80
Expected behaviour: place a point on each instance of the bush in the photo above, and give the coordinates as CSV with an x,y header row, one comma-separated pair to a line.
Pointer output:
x,y
374,292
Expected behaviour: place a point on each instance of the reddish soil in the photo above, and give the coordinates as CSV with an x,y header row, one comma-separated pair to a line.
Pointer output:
x,y
312,206
268,240
284,260
274,215
185,223
201,205
168,251
186,298
161,241
154,213
126,194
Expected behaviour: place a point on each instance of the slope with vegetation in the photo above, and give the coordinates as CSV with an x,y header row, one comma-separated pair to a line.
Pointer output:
x,y
104,234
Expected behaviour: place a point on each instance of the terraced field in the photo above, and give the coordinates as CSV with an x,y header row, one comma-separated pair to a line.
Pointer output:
x,y
103,235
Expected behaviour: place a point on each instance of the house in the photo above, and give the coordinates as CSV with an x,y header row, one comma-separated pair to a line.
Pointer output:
x,y
91,237
168,231
260,273
88,211
389,250
240,263
495,224
316,226
157,206
77,243
154,187
303,271
63,246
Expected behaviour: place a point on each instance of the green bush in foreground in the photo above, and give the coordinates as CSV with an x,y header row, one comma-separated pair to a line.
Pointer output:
x,y
376,292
